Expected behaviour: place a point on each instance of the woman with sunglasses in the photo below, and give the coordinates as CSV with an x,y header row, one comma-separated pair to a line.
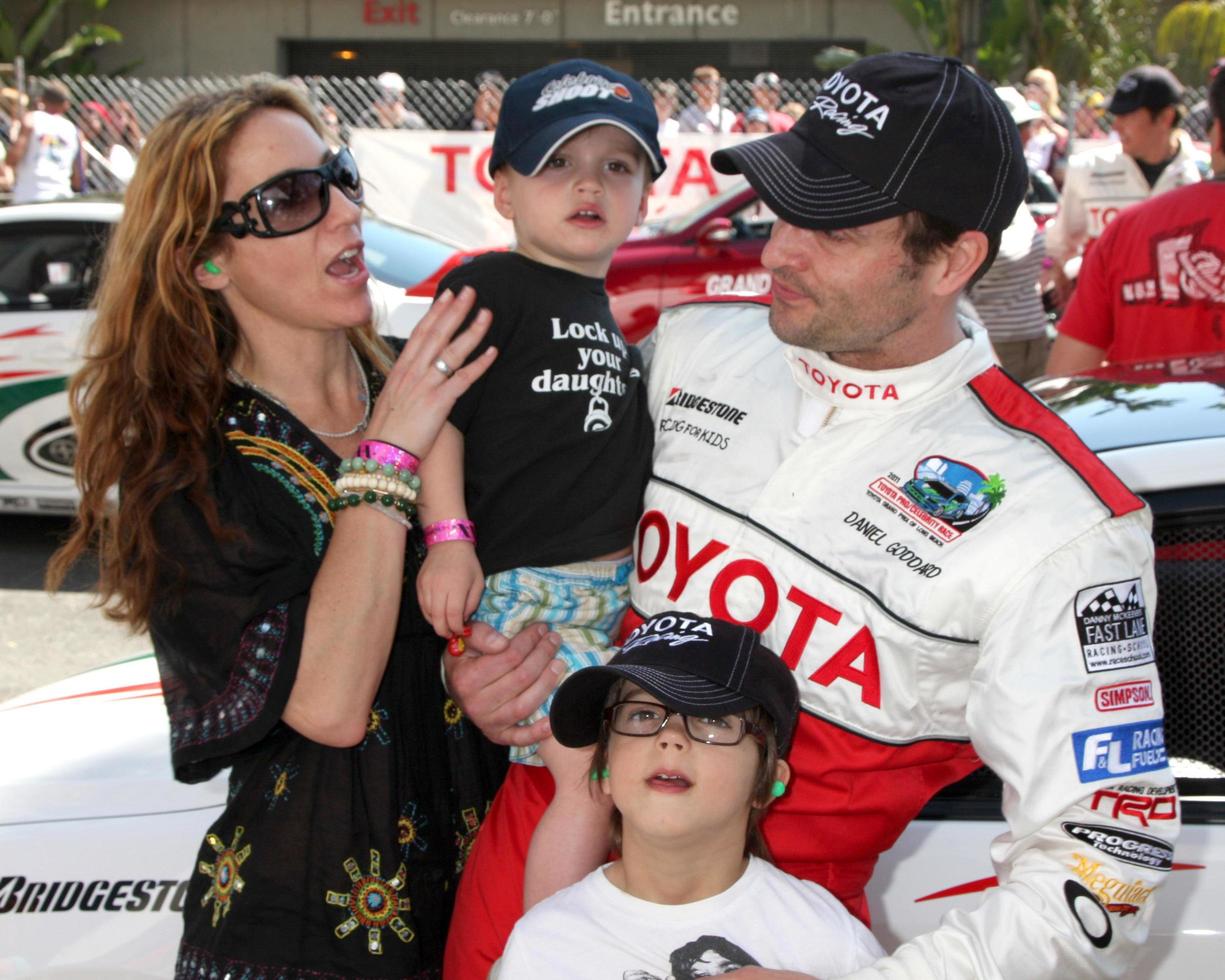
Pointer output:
x,y
264,440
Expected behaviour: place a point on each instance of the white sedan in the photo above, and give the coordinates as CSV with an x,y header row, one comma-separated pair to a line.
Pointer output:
x,y
97,839
49,260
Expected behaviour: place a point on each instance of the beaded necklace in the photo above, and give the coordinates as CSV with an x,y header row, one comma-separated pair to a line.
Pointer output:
x,y
363,397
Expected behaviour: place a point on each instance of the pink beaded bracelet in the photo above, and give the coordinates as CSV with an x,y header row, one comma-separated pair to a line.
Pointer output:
x,y
451,529
385,454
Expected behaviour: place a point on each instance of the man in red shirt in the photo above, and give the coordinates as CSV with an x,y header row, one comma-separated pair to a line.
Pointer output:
x,y
1154,284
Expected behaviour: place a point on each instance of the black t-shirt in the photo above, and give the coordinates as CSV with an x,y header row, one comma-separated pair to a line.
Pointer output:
x,y
1152,171
557,436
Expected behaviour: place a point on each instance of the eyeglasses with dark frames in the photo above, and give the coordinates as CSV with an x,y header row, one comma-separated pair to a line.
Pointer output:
x,y
641,719
291,201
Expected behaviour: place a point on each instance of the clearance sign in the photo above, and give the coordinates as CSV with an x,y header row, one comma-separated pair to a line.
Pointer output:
x,y
439,181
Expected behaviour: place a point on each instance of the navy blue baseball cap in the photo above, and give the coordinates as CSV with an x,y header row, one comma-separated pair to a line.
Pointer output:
x,y
1146,87
544,108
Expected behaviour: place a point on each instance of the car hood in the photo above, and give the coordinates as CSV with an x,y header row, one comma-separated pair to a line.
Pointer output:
x,y
92,746
1123,405
1158,425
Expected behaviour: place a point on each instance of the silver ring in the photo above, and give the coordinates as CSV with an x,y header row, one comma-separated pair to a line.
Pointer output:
x,y
444,367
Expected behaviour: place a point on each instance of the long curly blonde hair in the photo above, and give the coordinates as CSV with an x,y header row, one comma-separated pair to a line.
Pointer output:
x,y
145,402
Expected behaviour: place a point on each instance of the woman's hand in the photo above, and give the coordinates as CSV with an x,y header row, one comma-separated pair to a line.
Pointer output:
x,y
418,394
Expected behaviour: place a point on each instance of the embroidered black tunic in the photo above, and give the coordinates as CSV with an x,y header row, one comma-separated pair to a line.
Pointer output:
x,y
326,862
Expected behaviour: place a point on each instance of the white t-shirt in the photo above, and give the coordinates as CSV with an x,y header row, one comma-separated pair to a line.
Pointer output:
x,y
45,172
716,119
767,918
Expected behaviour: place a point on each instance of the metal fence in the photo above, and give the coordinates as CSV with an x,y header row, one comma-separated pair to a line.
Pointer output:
x,y
131,106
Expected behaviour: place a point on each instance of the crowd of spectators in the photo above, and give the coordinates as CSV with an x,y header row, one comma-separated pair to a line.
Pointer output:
x,y
109,134
50,149
48,152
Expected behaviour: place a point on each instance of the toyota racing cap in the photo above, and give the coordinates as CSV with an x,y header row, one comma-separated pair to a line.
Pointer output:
x,y
1146,87
544,108
888,134
694,665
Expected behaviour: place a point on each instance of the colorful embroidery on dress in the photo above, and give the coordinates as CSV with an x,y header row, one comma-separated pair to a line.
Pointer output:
x,y
227,882
374,903
318,534
301,469
376,727
409,829
246,690
282,776
465,838
453,715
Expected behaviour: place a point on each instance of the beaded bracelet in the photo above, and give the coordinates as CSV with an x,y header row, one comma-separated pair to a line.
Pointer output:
x,y
381,484
385,453
406,475
365,481
452,529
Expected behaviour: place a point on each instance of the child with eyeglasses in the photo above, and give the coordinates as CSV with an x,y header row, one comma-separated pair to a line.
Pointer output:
x,y
689,725
535,485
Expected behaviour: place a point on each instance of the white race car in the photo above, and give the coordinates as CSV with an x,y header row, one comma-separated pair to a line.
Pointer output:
x,y
97,840
49,259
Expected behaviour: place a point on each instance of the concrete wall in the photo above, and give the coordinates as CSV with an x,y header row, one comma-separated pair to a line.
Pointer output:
x,y
173,37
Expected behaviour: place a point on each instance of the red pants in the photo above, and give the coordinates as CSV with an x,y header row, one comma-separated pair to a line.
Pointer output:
x,y
490,897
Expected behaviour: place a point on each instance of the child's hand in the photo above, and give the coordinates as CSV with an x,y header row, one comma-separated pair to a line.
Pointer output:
x,y
449,586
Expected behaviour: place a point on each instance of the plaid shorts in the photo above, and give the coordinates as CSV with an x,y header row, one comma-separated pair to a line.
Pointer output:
x,y
583,603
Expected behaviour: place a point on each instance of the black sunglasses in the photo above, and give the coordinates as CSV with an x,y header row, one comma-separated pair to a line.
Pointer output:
x,y
291,201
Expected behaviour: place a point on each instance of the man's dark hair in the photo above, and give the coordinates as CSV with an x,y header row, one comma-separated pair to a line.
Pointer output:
x,y
1180,113
923,235
1216,96
684,958
54,93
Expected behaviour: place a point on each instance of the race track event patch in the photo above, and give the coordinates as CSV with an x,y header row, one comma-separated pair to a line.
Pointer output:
x,y
1112,628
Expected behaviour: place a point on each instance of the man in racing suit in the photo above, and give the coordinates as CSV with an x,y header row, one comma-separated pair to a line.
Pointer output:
x,y
1152,155
950,572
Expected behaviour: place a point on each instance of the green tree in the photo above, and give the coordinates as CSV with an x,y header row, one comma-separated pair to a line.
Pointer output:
x,y
1191,37
1084,41
941,25
31,38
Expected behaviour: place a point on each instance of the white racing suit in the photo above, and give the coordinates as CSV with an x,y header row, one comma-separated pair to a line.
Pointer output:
x,y
953,576
1101,182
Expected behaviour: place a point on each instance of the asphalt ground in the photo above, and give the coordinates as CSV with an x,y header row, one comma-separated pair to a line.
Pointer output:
x,y
44,638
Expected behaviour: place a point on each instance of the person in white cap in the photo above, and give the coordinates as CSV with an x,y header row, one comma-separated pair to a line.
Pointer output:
x,y
390,110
